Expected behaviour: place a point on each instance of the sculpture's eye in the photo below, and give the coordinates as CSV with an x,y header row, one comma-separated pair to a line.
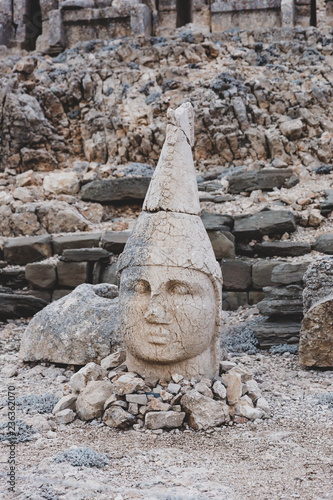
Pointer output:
x,y
141,286
179,288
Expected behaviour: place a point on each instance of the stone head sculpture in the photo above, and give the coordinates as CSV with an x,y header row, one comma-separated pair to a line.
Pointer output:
x,y
170,282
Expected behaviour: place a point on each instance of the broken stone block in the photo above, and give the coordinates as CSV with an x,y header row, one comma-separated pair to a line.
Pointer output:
x,y
267,222
84,254
113,360
234,386
83,240
15,305
324,243
128,383
41,275
90,402
118,418
262,273
282,248
65,416
266,180
115,241
90,372
204,412
164,419
236,274
66,402
292,129
111,190
72,274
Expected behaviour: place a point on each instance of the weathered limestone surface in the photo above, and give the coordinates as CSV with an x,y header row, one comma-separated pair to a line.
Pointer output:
x,y
316,337
316,340
170,282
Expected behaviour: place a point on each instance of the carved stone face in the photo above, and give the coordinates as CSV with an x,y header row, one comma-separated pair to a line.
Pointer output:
x,y
167,314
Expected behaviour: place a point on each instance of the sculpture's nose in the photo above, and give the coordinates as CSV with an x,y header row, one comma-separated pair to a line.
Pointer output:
x,y
156,312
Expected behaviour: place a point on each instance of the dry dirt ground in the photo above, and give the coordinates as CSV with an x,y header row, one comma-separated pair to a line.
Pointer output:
x,y
287,456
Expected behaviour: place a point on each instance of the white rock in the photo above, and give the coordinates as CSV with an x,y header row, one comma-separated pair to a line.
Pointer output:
x,y
204,412
244,409
173,388
164,419
61,182
90,372
65,416
253,390
90,403
219,390
234,386
66,402
262,403
113,360
127,384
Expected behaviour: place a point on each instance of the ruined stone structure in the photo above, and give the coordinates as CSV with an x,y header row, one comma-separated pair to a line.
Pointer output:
x,y
170,282
54,25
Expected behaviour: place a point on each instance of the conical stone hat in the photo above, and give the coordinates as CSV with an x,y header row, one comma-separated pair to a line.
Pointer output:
x,y
169,231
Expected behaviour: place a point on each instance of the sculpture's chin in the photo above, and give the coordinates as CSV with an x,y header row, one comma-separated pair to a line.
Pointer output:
x,y
162,354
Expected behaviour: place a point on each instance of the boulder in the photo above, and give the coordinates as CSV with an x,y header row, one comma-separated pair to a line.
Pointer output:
x,y
113,360
316,337
128,383
233,382
21,251
66,402
65,416
90,403
267,222
204,412
77,329
164,419
111,190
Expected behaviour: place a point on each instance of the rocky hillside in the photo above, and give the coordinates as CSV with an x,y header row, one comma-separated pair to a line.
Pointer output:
x,y
82,133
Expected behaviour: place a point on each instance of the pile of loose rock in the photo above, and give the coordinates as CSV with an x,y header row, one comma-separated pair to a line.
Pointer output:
x,y
124,399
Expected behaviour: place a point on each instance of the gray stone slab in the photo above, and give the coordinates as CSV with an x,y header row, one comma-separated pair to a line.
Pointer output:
x,y
21,251
111,190
262,179
267,222
13,305
223,244
289,272
77,240
214,221
262,273
236,274
282,248
115,241
84,254
72,274
324,244
327,205
41,275
271,333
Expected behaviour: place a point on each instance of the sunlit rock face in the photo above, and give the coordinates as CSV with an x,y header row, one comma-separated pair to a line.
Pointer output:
x,y
170,282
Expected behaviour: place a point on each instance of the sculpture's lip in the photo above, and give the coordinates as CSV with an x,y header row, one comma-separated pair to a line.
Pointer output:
x,y
160,337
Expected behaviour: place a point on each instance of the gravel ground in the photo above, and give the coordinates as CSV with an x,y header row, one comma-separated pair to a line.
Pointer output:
x,y
289,455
